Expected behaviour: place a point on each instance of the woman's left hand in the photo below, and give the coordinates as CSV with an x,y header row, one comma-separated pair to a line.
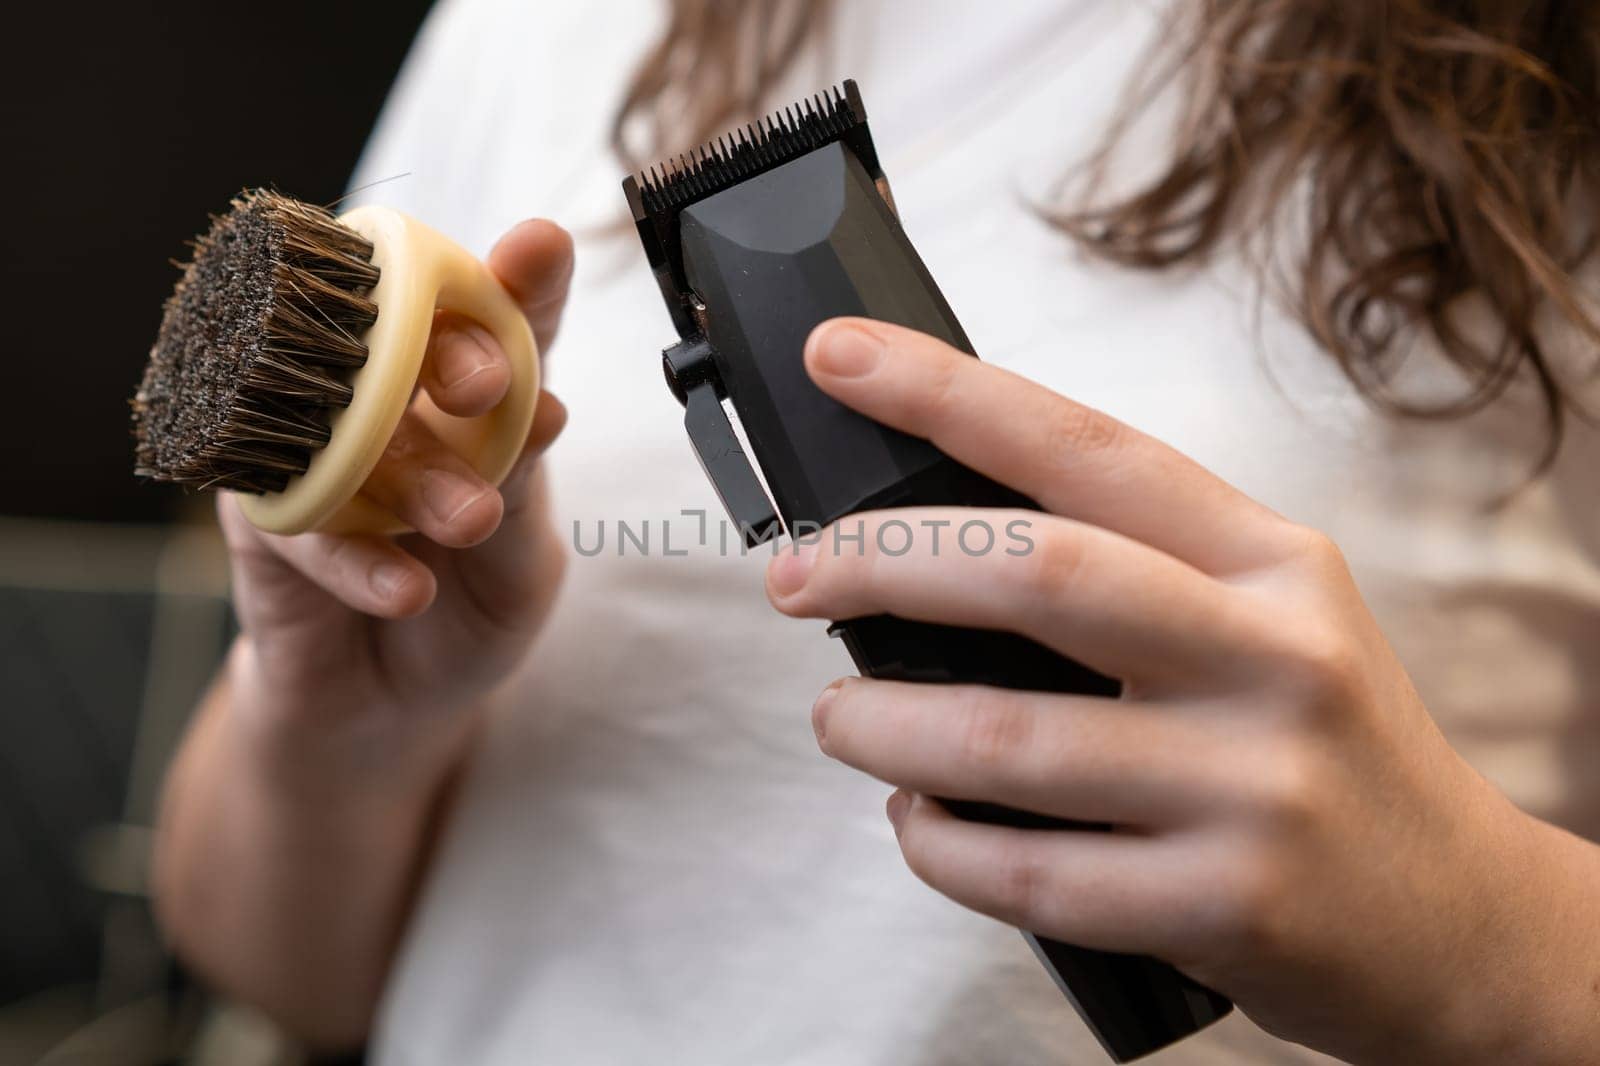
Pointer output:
x,y
1291,827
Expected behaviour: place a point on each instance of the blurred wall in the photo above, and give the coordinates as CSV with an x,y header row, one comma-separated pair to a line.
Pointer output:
x,y
125,125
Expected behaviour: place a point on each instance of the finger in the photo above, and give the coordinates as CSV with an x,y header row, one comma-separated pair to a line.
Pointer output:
x,y
503,586
549,419
1071,459
432,489
534,262
367,574
1073,757
1101,890
517,490
1109,602
465,372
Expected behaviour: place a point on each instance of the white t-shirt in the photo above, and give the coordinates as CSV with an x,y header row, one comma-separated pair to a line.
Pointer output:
x,y
650,861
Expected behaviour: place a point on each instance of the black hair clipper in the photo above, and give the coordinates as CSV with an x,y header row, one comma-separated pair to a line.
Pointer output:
x,y
755,239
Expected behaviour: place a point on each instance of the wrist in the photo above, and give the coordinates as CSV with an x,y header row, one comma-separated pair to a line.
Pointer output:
x,y
345,743
1529,990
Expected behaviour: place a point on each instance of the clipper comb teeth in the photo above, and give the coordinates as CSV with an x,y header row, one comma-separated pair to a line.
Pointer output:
x,y
759,146
256,347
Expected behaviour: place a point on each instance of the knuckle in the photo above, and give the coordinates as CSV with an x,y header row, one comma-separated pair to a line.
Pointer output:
x,y
1325,667
1321,553
407,438
1244,914
1290,789
407,447
1055,563
1075,431
863,565
1316,643
1306,550
345,562
1022,886
942,392
994,733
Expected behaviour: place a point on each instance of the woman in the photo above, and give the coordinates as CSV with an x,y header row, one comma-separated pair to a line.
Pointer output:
x,y
431,802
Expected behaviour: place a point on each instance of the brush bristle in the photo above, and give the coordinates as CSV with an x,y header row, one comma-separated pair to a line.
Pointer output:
x,y
760,146
257,346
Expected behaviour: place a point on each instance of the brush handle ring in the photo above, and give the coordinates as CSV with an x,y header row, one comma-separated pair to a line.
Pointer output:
x,y
421,271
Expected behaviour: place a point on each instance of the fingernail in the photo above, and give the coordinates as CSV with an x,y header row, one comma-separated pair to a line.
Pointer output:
x,y
462,352
899,803
819,710
388,578
846,351
790,569
447,495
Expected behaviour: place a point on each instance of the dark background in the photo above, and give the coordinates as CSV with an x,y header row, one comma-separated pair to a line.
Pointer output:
x,y
125,126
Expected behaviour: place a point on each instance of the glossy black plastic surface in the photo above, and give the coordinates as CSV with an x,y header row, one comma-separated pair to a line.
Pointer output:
x,y
772,269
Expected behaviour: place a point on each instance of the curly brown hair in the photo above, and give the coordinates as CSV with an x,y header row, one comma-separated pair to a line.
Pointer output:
x,y
1438,151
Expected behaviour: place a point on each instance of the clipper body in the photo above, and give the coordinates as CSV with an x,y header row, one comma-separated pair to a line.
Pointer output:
x,y
754,243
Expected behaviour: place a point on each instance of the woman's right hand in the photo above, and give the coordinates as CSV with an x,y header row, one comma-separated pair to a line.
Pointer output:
x,y
375,637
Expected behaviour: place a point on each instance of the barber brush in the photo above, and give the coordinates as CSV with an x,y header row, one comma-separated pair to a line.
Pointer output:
x,y
755,239
290,349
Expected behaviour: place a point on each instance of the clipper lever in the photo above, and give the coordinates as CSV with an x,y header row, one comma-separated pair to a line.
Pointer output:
x,y
692,377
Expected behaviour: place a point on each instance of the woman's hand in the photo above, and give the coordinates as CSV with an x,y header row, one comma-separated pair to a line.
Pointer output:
x,y
299,813
369,631
1291,827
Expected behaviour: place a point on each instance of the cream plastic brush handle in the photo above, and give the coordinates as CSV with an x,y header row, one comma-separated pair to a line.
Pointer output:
x,y
421,270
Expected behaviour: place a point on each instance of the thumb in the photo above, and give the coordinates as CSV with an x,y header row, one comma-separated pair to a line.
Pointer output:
x,y
534,262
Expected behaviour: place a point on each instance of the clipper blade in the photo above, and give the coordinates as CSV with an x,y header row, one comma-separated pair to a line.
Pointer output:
x,y
768,142
658,195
